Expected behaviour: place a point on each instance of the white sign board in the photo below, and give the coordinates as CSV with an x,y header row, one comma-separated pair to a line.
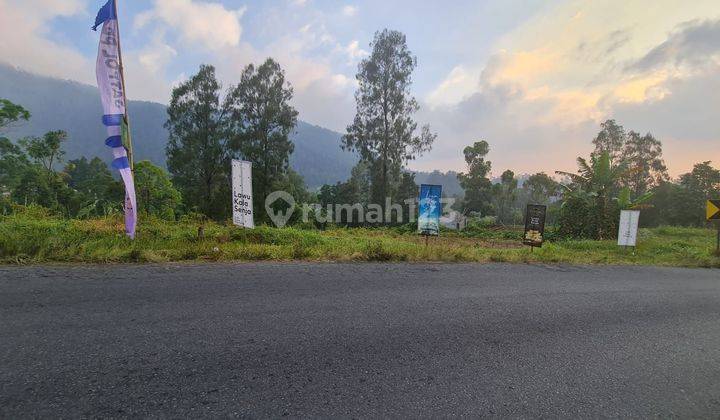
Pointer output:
x,y
242,194
627,233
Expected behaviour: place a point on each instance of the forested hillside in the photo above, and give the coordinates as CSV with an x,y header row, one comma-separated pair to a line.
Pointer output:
x,y
74,107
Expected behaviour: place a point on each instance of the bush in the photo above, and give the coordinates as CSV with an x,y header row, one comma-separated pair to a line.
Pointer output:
x,y
375,251
582,218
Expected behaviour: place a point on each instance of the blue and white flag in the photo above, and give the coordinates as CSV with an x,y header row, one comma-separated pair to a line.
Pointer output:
x,y
112,93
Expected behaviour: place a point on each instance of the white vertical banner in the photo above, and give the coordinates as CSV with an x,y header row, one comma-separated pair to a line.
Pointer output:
x,y
628,229
242,194
110,80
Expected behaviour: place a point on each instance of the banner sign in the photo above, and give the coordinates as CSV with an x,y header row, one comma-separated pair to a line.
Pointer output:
x,y
111,83
628,229
430,209
713,210
534,225
242,194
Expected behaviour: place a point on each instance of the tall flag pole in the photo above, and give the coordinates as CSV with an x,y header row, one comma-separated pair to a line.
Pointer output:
x,y
127,137
111,83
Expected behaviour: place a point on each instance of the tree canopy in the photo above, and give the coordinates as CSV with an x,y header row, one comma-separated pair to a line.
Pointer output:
x,y
384,132
262,120
199,145
475,182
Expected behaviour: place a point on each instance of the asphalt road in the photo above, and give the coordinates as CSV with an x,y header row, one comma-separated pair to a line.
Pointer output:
x,y
358,340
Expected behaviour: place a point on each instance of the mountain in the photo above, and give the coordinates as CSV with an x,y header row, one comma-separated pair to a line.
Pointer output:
x,y
449,181
74,107
318,156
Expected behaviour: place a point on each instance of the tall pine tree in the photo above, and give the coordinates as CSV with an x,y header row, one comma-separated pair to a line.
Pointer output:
x,y
263,120
384,132
198,150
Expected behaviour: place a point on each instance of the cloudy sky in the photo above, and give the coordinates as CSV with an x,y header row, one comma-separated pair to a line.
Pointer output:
x,y
533,78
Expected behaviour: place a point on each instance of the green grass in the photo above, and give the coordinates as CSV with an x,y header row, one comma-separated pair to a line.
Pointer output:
x,y
30,238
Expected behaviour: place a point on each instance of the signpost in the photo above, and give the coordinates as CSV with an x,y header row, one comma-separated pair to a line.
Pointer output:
x,y
534,225
430,209
242,194
628,229
713,213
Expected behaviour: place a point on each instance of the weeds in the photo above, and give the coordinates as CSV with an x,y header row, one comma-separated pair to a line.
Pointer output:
x,y
32,237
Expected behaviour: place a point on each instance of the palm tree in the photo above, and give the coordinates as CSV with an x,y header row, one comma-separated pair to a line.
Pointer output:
x,y
597,187
599,177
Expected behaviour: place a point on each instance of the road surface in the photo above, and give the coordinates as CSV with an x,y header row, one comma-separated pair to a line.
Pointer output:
x,y
358,340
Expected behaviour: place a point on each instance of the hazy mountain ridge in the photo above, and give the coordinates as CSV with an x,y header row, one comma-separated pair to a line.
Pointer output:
x,y
449,181
75,107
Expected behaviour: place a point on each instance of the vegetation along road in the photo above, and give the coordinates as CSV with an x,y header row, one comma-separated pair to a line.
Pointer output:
x,y
359,340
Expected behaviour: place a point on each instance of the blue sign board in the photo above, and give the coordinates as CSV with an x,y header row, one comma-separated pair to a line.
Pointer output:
x,y
430,209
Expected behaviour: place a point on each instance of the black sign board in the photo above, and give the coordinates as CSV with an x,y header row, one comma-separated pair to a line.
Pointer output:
x,y
534,225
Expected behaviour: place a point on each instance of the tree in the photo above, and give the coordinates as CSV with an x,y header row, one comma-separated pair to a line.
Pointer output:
x,y
383,131
13,163
676,205
46,150
156,194
407,190
36,187
360,183
11,113
703,179
355,190
505,196
37,182
702,183
590,206
646,168
540,188
642,154
90,177
475,181
198,149
99,194
610,139
263,119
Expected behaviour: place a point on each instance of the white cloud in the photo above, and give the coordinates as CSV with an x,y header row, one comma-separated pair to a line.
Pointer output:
x,y
349,10
208,24
45,8
321,95
549,93
458,85
182,78
342,81
354,51
145,70
156,56
25,41
309,55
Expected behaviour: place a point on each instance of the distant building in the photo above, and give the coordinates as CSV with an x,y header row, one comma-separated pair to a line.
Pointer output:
x,y
454,221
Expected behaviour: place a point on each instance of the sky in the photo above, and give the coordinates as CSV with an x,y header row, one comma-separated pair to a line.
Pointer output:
x,y
533,78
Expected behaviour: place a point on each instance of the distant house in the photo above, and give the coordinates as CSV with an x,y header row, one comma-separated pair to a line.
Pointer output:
x,y
454,221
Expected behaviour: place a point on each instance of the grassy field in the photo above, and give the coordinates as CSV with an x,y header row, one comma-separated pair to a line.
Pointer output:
x,y
28,238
